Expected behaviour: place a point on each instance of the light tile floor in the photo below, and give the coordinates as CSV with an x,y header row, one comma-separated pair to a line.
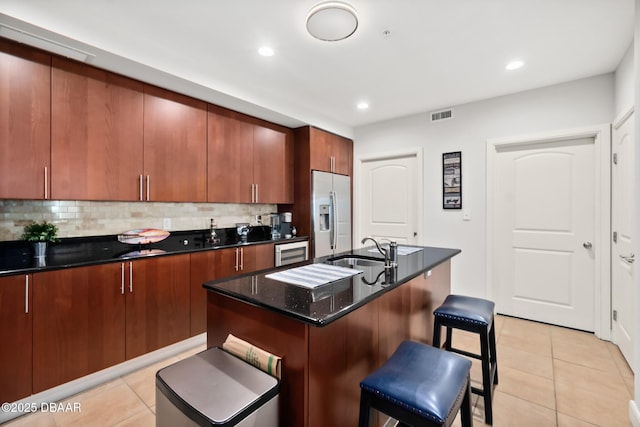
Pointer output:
x,y
548,376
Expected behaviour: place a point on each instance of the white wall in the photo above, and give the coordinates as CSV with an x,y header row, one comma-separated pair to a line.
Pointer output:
x,y
624,87
580,103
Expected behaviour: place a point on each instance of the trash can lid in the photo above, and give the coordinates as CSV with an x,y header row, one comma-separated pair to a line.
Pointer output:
x,y
216,387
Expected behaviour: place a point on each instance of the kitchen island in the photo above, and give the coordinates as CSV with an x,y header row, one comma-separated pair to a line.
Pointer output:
x,y
331,336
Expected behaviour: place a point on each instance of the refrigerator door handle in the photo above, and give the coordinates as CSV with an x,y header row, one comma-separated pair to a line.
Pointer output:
x,y
333,197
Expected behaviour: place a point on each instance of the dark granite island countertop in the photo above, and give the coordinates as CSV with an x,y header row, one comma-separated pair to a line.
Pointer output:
x,y
334,335
326,303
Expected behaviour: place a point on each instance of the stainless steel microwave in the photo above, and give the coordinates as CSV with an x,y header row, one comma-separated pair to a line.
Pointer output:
x,y
290,253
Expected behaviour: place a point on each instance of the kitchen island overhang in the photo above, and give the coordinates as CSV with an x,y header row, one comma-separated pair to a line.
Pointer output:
x,y
334,335
303,304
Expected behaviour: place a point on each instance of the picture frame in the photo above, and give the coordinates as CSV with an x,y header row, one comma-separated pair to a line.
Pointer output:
x,y
452,180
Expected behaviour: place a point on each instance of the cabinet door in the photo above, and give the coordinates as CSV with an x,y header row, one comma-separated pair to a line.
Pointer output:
x,y
175,147
230,159
203,269
259,257
272,172
15,335
96,134
25,121
157,303
330,153
78,325
321,150
342,149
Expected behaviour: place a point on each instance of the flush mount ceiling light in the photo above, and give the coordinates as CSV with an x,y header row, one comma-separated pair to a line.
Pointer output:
x,y
332,21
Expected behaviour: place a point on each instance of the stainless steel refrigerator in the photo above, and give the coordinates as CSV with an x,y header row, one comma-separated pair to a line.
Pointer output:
x,y
331,212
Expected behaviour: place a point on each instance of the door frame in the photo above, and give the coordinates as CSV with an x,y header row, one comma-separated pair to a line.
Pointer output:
x,y
357,200
617,122
602,244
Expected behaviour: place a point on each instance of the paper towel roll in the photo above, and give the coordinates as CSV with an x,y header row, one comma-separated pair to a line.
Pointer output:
x,y
256,356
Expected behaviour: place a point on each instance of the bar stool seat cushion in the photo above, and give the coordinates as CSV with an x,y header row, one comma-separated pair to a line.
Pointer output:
x,y
422,379
463,309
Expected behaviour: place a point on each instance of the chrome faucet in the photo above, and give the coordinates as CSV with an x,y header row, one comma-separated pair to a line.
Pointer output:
x,y
213,236
383,251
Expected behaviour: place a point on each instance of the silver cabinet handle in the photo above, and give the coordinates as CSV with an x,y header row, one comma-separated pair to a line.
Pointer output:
x,y
587,245
122,278
26,294
148,186
130,277
253,193
237,257
241,259
140,185
46,183
257,195
629,258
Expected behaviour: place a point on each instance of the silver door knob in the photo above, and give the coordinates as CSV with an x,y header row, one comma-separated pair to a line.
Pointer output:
x,y
630,258
587,245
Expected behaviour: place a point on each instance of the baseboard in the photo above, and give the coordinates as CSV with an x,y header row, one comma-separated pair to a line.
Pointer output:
x,y
634,413
66,390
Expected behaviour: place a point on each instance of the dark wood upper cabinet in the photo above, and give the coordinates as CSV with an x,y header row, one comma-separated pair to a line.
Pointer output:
x,y
329,152
16,321
25,121
175,147
249,160
96,134
230,159
272,171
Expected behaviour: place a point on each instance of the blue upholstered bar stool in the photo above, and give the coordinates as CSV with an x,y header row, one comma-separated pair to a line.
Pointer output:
x,y
472,315
419,386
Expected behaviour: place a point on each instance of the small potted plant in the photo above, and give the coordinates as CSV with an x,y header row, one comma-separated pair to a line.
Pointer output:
x,y
40,233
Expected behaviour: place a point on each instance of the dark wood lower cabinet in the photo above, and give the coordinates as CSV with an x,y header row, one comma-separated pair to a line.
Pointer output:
x,y
157,303
15,335
78,323
90,318
212,265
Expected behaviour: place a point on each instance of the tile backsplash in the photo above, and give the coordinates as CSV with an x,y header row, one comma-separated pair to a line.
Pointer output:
x,y
81,218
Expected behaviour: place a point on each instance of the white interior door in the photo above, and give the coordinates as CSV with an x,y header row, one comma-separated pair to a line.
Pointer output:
x,y
390,198
544,229
622,257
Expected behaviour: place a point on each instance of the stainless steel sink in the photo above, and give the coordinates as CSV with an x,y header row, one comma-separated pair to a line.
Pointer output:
x,y
357,260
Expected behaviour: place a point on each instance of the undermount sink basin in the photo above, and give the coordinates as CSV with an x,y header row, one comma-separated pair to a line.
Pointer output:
x,y
354,260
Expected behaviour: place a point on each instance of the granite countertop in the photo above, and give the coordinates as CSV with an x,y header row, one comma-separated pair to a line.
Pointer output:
x,y
16,256
322,305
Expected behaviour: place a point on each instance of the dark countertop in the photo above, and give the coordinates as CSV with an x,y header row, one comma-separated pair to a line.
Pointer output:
x,y
16,256
326,303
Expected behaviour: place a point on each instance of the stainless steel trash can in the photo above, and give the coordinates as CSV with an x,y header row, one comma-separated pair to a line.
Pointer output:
x,y
215,388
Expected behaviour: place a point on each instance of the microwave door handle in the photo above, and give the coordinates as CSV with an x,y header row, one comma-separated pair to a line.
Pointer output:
x,y
334,222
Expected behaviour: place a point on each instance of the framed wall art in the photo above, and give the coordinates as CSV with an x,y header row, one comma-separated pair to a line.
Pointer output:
x,y
452,180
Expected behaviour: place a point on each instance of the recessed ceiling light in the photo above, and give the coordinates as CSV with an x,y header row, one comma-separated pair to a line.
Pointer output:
x,y
362,105
266,51
514,65
332,21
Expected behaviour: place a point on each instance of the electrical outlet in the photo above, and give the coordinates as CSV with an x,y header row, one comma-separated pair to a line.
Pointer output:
x,y
466,215
166,223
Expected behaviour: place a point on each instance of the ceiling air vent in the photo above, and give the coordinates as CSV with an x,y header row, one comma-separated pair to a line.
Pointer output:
x,y
436,116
